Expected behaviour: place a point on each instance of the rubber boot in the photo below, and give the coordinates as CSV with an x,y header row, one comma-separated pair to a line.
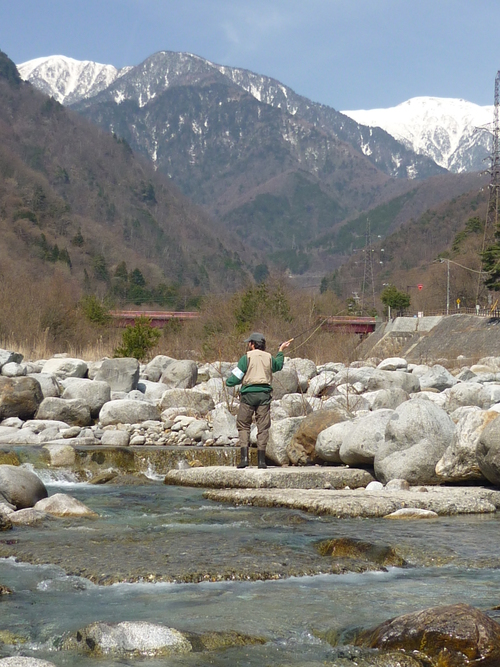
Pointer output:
x,y
244,458
261,458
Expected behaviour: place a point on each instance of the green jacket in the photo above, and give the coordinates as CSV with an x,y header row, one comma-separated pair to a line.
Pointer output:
x,y
238,373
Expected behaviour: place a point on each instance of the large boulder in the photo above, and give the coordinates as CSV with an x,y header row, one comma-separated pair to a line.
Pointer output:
x,y
9,357
217,389
48,383
449,636
324,382
180,374
295,405
329,441
305,368
363,440
386,398
71,411
121,374
459,462
93,393
393,364
466,393
65,367
301,449
153,391
285,382
19,397
280,436
437,377
223,424
488,451
416,437
191,399
156,366
372,379
127,411
61,504
20,487
13,370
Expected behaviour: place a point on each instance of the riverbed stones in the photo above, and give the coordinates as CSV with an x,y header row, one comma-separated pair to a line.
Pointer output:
x,y
450,635
20,487
126,411
19,397
416,437
329,441
74,412
120,374
61,456
129,638
115,438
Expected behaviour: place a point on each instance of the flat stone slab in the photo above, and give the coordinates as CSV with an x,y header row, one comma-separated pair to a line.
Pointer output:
x,y
444,501
313,477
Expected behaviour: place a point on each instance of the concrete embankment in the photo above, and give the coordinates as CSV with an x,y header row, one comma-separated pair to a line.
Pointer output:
x,y
420,339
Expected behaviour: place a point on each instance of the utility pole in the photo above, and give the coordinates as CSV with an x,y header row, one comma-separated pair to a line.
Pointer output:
x,y
494,186
368,266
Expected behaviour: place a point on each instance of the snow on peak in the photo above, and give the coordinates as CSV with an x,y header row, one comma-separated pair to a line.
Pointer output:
x,y
68,80
447,130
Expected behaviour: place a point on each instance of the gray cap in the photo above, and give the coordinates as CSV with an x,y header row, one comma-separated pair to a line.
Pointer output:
x,y
255,338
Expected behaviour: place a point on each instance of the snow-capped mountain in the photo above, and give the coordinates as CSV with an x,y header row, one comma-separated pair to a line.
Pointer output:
x,y
453,132
67,80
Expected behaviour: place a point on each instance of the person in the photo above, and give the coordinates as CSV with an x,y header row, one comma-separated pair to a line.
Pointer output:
x,y
254,372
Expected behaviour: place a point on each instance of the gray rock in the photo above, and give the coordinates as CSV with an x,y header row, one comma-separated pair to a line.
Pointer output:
x,y
19,397
372,379
136,395
66,367
16,436
437,377
465,375
20,487
322,382
416,437
217,370
71,432
196,429
375,486
306,370
393,364
295,405
130,638
216,388
39,425
8,357
13,370
74,412
280,436
285,382
60,456
92,392
121,374
127,412
12,422
459,462
61,504
48,383
363,440
115,438
329,441
180,374
156,366
187,398
488,451
153,391
386,398
223,423
466,393
397,485
27,517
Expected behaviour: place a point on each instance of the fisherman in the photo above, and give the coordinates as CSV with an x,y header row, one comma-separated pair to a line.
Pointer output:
x,y
255,371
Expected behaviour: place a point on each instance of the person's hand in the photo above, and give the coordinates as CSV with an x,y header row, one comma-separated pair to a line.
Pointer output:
x,y
285,344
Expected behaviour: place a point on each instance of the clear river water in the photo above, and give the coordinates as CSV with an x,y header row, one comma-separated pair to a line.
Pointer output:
x,y
452,559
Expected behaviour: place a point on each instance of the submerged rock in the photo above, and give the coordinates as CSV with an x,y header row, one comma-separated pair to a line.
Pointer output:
x,y
61,504
452,635
24,661
128,639
347,547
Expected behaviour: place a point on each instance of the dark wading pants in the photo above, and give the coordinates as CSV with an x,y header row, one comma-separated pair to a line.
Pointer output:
x,y
258,403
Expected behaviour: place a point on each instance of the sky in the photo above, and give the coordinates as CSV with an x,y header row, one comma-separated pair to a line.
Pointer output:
x,y
348,54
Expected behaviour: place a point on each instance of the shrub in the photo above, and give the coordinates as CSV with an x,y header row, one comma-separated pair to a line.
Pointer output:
x,y
138,340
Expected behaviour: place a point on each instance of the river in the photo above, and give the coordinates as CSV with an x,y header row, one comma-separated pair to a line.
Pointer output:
x,y
151,539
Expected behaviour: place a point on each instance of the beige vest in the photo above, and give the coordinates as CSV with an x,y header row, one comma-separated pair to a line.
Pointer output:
x,y
259,368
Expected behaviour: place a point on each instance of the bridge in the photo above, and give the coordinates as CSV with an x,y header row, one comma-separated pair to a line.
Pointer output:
x,y
158,318
350,324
